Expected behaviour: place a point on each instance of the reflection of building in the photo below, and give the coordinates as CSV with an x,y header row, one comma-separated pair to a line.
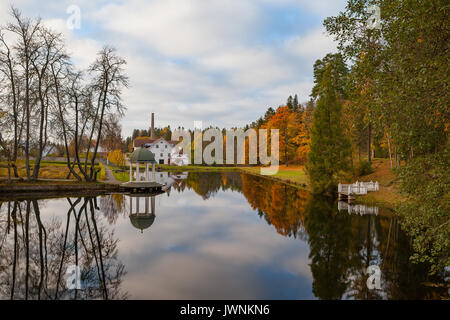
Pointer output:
x,y
142,215
167,179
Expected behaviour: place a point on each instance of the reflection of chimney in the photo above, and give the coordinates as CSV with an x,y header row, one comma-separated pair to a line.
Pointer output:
x,y
152,128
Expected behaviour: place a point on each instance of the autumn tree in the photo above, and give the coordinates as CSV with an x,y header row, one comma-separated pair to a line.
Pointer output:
x,y
117,157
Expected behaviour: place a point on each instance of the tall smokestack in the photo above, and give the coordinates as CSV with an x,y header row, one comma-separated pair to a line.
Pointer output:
x,y
152,128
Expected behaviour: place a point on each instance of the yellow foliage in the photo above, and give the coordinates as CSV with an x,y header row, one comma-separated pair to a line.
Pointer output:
x,y
117,158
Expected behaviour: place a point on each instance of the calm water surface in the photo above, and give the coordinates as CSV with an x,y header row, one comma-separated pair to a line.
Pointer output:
x,y
209,236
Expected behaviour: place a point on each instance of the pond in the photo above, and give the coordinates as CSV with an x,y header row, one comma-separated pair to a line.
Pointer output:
x,y
208,236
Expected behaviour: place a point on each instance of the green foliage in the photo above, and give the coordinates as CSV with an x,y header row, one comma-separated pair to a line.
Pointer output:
x,y
398,87
337,77
330,149
426,214
362,168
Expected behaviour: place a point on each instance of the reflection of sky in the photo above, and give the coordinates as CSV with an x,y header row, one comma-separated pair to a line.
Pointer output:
x,y
208,249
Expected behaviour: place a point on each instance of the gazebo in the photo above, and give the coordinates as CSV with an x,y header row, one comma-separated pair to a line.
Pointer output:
x,y
138,156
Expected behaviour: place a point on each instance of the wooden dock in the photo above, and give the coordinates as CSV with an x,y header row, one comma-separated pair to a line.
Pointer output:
x,y
148,187
349,191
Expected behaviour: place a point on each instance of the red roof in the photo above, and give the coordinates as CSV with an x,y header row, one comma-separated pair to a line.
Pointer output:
x,y
140,142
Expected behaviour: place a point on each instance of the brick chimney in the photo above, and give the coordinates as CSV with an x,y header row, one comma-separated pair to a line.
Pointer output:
x,y
152,128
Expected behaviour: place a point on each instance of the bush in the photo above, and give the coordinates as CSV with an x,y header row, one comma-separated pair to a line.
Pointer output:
x,y
363,168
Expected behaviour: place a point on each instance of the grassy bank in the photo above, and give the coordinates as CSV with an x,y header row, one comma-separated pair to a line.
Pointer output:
x,y
48,169
123,176
295,176
388,195
292,175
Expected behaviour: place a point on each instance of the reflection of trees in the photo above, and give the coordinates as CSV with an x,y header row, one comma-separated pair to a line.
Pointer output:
x,y
207,184
343,245
34,255
281,205
329,242
112,205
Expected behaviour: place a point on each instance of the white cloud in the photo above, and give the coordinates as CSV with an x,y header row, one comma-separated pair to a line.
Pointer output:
x,y
198,60
82,50
179,28
311,46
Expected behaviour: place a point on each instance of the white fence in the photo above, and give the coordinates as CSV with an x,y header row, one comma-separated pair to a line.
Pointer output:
x,y
358,188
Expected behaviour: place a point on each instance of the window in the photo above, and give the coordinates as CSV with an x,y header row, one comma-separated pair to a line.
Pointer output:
x,y
166,146
162,155
157,146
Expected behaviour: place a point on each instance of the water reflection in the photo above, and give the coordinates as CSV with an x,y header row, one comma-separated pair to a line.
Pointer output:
x,y
217,235
357,208
35,254
142,219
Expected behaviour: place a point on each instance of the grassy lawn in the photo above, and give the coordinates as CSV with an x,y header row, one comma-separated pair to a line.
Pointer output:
x,y
120,176
293,175
4,182
48,169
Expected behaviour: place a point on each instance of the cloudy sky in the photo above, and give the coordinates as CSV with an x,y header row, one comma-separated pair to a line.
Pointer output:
x,y
222,62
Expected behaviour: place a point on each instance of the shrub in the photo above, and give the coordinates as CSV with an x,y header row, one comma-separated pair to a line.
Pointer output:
x,y
363,168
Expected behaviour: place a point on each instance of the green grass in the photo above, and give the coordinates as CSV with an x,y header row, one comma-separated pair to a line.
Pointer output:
x,y
120,176
48,169
293,175
102,173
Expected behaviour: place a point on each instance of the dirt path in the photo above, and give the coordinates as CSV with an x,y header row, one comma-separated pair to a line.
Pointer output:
x,y
109,175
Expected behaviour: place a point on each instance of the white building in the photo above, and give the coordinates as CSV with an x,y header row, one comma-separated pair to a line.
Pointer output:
x,y
161,148
164,150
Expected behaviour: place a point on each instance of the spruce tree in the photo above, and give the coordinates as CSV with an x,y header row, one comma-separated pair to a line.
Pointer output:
x,y
330,149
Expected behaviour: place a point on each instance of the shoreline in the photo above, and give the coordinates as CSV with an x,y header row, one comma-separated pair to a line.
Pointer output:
x,y
386,197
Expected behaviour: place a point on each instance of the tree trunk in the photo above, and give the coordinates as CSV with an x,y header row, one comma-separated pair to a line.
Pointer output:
x,y
369,139
389,149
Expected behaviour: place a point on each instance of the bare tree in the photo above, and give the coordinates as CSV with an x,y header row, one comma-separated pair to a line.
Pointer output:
x,y
43,98
108,80
25,29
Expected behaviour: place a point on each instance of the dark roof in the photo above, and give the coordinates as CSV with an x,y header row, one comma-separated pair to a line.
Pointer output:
x,y
141,221
140,142
142,155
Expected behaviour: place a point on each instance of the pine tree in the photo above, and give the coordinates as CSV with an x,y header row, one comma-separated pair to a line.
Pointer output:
x,y
290,103
296,105
330,149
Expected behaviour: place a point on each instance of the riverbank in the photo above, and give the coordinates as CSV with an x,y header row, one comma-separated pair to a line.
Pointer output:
x,y
292,175
52,188
388,194
49,169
